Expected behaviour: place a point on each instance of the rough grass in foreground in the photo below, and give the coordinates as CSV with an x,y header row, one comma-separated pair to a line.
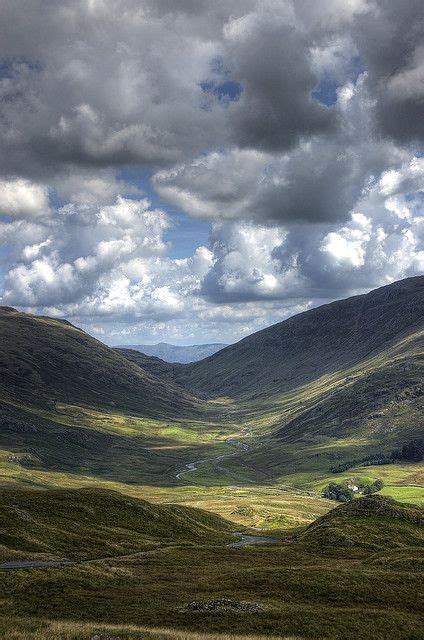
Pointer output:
x,y
356,592
66,630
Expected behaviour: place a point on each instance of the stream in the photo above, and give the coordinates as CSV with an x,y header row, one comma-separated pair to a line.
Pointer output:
x,y
236,443
245,539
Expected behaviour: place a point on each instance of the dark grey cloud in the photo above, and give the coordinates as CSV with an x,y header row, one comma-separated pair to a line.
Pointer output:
x,y
271,60
290,125
107,84
320,180
391,41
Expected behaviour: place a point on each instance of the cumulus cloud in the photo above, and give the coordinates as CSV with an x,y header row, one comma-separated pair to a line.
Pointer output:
x,y
20,198
294,128
244,267
83,254
382,241
108,262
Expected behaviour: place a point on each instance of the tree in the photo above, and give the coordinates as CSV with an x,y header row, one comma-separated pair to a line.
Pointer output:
x,y
413,451
373,487
338,492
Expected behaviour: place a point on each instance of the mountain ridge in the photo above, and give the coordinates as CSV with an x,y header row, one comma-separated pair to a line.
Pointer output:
x,y
44,359
176,353
308,345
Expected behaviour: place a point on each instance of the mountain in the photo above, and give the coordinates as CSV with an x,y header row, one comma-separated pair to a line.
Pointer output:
x,y
175,353
318,394
322,393
69,403
150,364
44,360
309,345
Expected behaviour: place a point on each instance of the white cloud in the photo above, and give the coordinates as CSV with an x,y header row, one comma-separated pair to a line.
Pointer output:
x,y
292,127
348,244
20,198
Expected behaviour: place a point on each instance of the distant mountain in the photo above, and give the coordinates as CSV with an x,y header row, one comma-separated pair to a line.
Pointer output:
x,y
175,353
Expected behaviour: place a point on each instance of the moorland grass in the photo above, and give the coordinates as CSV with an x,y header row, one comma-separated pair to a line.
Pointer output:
x,y
336,586
81,524
19,629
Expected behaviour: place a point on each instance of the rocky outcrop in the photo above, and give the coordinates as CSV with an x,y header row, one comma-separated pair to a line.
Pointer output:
x,y
223,605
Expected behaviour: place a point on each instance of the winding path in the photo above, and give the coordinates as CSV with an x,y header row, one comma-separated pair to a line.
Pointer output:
x,y
35,564
244,540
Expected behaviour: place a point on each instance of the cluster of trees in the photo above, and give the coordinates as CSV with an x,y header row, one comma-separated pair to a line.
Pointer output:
x,y
375,459
372,487
413,451
339,492
343,493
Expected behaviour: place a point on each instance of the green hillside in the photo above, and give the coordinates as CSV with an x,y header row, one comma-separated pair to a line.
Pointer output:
x,y
341,421
43,361
307,346
84,524
70,403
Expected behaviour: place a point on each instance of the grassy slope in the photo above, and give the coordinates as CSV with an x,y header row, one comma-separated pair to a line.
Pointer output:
x,y
92,523
307,346
111,444
43,360
68,402
307,587
371,408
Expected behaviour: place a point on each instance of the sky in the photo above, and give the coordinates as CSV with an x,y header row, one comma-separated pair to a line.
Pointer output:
x,y
192,171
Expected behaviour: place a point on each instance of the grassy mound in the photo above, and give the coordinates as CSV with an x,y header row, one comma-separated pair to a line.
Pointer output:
x,y
372,522
94,523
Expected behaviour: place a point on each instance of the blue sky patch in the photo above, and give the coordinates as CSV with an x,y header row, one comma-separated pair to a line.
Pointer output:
x,y
326,90
224,92
185,234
